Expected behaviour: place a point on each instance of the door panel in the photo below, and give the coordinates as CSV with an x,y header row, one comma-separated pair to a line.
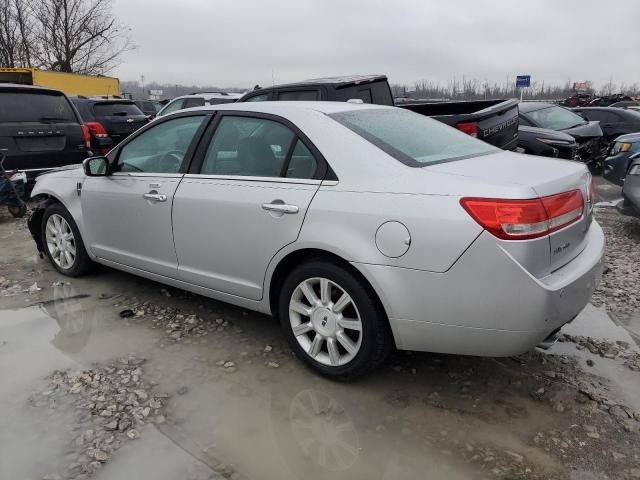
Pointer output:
x,y
124,227
127,215
224,236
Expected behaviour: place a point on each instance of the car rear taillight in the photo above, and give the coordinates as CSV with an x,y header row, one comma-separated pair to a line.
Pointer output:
x,y
470,128
525,219
97,130
86,135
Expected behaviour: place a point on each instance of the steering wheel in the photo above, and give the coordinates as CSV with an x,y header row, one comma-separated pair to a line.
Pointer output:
x,y
171,161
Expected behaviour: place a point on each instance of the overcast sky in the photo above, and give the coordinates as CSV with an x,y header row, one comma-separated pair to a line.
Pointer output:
x,y
241,42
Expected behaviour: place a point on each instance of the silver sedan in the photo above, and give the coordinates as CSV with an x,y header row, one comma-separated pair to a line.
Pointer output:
x,y
360,227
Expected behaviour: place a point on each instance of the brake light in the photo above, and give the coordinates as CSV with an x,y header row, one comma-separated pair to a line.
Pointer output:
x,y
97,130
470,128
86,135
525,219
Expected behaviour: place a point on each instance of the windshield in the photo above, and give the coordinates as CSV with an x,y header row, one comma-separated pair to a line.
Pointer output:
x,y
555,118
35,107
413,139
116,109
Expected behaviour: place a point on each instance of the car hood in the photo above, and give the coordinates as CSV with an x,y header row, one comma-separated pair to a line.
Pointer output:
x,y
66,170
544,133
586,130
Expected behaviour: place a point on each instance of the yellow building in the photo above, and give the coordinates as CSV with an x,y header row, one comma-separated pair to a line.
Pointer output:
x,y
69,83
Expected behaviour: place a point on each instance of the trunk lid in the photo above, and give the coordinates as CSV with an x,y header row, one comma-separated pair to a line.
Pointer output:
x,y
546,177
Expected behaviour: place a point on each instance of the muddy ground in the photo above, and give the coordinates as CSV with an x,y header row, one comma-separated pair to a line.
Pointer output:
x,y
111,376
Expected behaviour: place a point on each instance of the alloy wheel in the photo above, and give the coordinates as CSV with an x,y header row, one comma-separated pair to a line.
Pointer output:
x,y
60,241
325,321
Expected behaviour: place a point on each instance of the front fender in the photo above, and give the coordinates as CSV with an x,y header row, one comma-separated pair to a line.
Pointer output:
x,y
64,187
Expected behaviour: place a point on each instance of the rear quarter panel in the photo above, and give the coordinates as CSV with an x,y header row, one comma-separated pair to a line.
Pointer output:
x,y
346,222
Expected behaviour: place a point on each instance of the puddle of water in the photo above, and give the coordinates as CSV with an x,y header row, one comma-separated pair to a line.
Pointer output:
x,y
595,322
266,423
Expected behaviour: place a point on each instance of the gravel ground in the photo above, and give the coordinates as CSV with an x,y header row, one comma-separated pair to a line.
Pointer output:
x,y
112,403
235,387
620,287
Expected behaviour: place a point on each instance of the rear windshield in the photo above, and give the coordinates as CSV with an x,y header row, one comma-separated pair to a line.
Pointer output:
x,y
411,138
35,107
116,109
555,118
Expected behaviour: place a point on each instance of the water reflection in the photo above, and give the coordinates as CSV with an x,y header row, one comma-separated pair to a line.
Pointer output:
x,y
74,314
322,430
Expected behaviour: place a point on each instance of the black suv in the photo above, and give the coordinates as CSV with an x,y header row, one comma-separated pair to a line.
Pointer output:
x,y
41,129
109,120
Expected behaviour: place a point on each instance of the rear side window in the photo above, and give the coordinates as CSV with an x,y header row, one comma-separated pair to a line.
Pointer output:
x,y
299,95
411,138
218,101
115,109
193,102
35,107
245,146
601,116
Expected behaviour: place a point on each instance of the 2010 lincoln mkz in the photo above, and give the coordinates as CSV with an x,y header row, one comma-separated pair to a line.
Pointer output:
x,y
359,227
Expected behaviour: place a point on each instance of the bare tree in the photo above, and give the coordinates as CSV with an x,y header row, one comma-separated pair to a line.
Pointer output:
x,y
80,36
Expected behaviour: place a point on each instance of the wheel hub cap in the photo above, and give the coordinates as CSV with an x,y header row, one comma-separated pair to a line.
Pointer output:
x,y
325,321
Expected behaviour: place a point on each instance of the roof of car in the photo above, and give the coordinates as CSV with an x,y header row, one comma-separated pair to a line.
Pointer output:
x,y
282,107
208,95
27,88
337,82
526,107
101,99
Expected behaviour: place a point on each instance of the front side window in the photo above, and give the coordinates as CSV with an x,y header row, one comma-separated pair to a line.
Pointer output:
x,y
411,138
172,106
245,146
555,118
160,149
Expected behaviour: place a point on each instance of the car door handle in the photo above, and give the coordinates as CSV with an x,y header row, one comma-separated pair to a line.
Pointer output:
x,y
280,208
155,197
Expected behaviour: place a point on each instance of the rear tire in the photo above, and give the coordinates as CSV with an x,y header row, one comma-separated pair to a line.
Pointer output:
x,y
333,322
62,242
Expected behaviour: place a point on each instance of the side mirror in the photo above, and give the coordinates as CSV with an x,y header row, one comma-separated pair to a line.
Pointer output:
x,y
96,167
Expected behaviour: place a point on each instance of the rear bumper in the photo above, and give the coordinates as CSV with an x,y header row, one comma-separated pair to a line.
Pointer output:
x,y
486,304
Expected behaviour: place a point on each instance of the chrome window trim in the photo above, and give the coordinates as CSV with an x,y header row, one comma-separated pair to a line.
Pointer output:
x,y
146,174
237,178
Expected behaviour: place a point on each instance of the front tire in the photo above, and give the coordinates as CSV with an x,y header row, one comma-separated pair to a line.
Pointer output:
x,y
63,243
332,321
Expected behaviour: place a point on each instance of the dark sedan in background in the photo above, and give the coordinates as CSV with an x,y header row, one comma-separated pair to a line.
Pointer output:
x,y
613,121
588,135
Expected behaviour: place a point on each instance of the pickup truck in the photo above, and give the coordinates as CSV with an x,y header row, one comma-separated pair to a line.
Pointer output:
x,y
494,121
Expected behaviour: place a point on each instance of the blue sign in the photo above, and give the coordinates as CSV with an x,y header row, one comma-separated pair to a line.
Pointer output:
x,y
523,81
